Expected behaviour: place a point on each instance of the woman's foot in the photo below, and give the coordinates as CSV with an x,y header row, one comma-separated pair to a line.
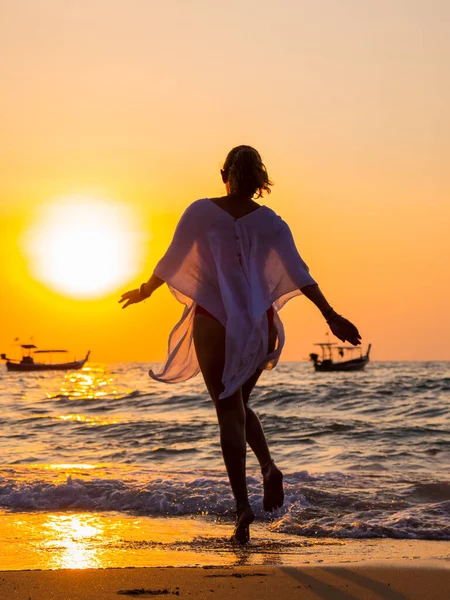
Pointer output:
x,y
244,517
273,486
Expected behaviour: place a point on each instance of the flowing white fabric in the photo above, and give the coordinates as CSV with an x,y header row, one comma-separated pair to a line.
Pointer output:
x,y
235,269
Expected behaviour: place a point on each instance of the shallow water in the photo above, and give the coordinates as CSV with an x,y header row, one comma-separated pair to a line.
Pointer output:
x,y
86,539
365,455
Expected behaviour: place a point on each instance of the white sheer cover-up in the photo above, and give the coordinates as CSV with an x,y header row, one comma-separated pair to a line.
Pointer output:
x,y
235,269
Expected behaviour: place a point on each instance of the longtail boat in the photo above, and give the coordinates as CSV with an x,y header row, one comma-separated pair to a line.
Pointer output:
x,y
30,362
328,363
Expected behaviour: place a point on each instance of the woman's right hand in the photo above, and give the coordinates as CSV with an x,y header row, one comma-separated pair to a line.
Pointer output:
x,y
134,296
131,297
345,331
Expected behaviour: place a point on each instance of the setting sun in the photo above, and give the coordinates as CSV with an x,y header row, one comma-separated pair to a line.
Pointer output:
x,y
84,247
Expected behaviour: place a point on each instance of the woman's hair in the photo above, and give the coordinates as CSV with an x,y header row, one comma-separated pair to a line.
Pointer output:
x,y
246,172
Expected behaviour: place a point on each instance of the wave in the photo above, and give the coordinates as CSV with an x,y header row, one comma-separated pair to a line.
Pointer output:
x,y
318,505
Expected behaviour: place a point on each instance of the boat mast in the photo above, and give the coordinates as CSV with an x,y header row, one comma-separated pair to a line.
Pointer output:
x,y
329,347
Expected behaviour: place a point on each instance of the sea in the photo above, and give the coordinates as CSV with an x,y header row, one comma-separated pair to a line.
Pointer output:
x,y
106,459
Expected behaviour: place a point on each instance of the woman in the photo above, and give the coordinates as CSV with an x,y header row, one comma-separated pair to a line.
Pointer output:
x,y
233,264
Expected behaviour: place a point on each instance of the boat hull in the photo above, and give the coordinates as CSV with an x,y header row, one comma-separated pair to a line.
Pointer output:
x,y
357,364
69,366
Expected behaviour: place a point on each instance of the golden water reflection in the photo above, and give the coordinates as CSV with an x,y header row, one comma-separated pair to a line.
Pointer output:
x,y
73,541
82,540
68,466
91,382
90,420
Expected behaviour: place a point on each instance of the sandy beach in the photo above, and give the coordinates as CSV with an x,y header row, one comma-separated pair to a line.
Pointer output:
x,y
95,557
366,581
193,558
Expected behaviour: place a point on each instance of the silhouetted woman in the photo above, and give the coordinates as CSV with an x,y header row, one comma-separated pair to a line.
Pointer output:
x,y
233,263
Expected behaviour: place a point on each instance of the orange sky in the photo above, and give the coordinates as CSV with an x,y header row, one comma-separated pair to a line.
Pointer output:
x,y
139,102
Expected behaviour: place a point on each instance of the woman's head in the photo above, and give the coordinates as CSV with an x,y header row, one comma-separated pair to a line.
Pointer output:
x,y
244,172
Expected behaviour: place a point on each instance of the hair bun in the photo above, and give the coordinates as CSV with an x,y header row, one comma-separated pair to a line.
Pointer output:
x,y
247,174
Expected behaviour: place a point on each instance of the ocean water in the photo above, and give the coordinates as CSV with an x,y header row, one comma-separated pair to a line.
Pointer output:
x,y
365,455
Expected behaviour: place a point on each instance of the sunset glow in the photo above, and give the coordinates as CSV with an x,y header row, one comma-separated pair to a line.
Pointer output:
x,y
124,116
83,247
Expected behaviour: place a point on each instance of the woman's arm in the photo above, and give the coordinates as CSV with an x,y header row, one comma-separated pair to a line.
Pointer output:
x,y
299,273
341,327
147,289
315,295
184,237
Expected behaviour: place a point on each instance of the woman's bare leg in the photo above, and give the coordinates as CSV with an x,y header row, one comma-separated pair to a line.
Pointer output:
x,y
272,476
209,340
254,430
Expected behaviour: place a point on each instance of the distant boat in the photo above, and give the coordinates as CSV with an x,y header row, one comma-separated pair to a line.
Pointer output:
x,y
28,362
327,362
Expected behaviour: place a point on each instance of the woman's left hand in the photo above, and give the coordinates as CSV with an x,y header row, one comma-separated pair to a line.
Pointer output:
x,y
131,297
345,331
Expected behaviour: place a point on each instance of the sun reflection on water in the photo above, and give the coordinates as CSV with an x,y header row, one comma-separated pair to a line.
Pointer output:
x,y
91,382
74,541
75,466
90,419
86,383
83,540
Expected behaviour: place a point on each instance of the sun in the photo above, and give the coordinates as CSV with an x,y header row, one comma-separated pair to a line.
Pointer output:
x,y
85,247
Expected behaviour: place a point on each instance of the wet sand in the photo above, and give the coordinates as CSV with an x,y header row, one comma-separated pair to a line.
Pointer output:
x,y
428,580
80,540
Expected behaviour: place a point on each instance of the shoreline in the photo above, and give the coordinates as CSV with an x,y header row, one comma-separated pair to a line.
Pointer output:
x,y
80,540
